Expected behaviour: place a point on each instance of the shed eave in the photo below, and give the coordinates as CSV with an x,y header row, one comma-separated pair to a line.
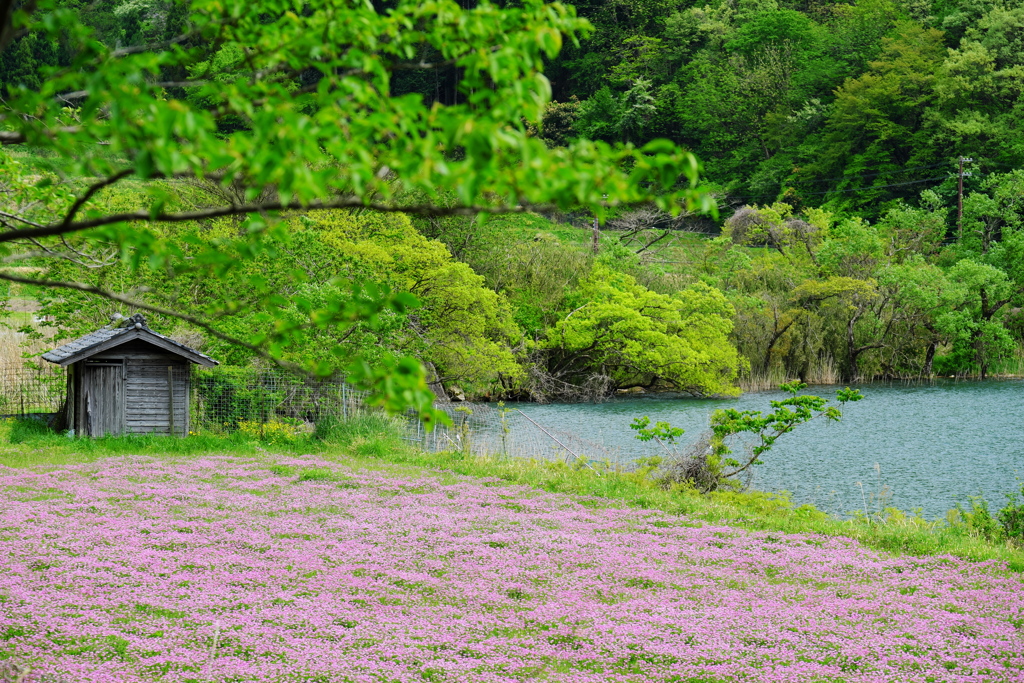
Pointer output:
x,y
142,334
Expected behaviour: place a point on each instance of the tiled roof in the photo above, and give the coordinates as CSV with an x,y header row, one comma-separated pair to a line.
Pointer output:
x,y
134,324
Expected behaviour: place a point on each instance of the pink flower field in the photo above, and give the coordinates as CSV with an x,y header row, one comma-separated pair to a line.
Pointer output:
x,y
251,569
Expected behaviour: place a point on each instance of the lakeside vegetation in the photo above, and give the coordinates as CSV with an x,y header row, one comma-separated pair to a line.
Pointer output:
x,y
521,306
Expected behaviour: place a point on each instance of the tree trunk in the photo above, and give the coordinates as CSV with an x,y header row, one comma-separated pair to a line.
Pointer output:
x,y
929,358
849,369
434,383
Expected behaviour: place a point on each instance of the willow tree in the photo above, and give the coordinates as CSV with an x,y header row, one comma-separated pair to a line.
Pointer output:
x,y
288,106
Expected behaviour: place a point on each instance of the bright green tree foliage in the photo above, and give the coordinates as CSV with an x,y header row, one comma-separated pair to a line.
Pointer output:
x,y
460,327
636,337
290,106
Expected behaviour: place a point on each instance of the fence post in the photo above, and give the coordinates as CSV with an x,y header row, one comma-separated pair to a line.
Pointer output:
x,y
344,401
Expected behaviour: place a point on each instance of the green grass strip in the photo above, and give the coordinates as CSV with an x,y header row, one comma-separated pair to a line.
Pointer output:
x,y
372,442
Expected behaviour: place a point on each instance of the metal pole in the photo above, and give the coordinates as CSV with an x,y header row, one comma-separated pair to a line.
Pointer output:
x,y
558,442
595,235
960,197
960,202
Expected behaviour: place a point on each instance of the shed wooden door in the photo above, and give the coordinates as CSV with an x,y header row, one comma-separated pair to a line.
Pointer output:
x,y
103,394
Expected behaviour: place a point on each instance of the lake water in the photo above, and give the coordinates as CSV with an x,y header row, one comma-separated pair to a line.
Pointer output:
x,y
935,443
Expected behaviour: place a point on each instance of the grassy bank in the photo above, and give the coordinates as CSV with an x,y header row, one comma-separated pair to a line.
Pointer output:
x,y
372,442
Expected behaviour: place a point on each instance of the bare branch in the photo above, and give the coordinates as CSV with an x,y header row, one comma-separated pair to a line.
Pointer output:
x,y
654,241
347,202
91,191
428,66
79,94
162,45
10,137
98,291
421,65
14,217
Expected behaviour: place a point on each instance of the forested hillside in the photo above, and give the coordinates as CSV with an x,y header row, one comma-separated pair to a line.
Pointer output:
x,y
848,105
852,106
832,138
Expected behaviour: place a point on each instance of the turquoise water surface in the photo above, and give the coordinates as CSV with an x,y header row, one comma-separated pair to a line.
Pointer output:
x,y
935,443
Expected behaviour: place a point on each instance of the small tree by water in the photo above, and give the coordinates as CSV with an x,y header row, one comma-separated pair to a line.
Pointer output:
x,y
709,463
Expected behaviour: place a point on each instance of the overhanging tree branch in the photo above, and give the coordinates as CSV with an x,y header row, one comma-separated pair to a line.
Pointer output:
x,y
347,202
91,191
112,296
10,137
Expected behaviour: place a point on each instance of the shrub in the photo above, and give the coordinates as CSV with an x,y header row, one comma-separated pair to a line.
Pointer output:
x,y
28,429
277,431
1012,516
978,519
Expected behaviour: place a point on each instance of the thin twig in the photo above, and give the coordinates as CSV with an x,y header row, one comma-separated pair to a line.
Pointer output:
x,y
15,217
93,189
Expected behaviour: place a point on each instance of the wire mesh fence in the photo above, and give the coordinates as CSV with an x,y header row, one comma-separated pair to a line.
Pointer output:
x,y
503,430
226,399
261,402
31,390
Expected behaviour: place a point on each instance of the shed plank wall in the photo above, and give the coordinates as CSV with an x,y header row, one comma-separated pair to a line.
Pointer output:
x,y
149,397
146,394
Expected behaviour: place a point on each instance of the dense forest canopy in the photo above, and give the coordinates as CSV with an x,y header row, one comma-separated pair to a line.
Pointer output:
x,y
851,106
858,162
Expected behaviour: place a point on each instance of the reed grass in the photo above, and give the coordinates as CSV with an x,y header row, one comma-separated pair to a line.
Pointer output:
x,y
824,370
16,348
763,380
1012,366
821,371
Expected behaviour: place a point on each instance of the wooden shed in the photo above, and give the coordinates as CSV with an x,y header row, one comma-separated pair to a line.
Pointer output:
x,y
127,379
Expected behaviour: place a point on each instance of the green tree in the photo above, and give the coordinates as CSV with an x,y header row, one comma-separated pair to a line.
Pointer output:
x,y
975,330
622,335
880,118
921,294
306,89
461,329
851,305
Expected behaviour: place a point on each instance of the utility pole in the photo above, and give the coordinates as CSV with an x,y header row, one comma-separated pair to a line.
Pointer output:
x,y
960,198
